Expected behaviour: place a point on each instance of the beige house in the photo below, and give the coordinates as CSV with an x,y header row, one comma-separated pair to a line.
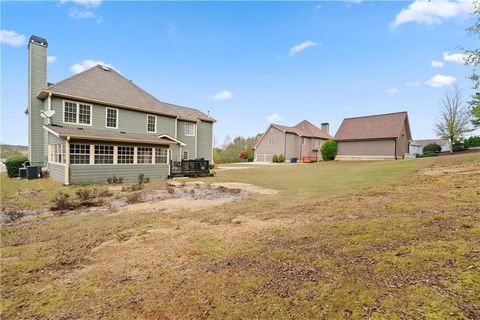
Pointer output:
x,y
302,141
376,137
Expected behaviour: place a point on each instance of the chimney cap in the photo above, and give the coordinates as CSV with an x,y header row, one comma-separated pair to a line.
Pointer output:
x,y
325,124
38,40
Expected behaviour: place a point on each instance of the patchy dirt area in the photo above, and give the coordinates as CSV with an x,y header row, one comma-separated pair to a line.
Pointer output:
x,y
465,169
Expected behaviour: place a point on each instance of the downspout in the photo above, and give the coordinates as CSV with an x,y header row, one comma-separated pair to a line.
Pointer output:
x,y
49,104
67,161
395,149
196,138
301,150
285,154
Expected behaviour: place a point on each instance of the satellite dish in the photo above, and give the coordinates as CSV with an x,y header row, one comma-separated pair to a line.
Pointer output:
x,y
47,114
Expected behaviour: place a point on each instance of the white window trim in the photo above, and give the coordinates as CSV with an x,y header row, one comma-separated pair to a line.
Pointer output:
x,y
78,113
106,118
152,115
304,141
188,154
272,139
190,135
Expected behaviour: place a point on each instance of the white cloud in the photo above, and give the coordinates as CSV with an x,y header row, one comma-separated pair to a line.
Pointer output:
x,y
413,84
11,38
392,91
432,12
77,14
51,59
302,46
85,3
273,117
437,64
440,80
222,95
87,64
454,57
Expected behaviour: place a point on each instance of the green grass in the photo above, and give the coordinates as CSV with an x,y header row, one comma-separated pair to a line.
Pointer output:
x,y
379,240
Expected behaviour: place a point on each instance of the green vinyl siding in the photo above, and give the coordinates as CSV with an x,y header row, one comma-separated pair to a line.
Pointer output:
x,y
204,140
128,120
188,140
37,81
100,172
57,172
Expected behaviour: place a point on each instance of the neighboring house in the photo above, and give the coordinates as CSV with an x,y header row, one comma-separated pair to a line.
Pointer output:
x,y
416,146
376,137
302,141
105,125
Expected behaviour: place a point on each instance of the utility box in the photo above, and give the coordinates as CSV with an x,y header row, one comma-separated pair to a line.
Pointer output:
x,y
22,173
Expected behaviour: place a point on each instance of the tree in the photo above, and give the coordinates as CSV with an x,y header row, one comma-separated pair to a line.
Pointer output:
x,y
472,57
329,150
454,117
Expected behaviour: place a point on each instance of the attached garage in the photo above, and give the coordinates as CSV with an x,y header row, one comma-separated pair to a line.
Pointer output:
x,y
376,137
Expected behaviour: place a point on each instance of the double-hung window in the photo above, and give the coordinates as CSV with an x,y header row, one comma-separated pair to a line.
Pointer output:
x,y
161,155
57,153
103,154
144,155
271,140
189,129
151,123
125,154
77,113
111,118
79,153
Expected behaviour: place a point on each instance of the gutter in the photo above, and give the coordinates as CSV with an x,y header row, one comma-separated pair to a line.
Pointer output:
x,y
67,161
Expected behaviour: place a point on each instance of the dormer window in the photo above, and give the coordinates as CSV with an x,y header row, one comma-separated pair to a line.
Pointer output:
x,y
151,123
77,113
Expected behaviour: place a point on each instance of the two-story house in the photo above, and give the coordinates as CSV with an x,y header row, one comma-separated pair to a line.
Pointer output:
x,y
97,124
302,141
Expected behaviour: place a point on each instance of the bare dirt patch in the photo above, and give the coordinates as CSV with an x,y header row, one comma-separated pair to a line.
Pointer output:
x,y
465,169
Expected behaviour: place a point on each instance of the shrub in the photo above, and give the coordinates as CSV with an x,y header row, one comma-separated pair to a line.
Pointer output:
x,y
329,150
115,180
281,158
62,202
13,215
243,155
275,158
428,154
104,193
134,197
432,147
313,161
13,164
86,194
472,142
458,146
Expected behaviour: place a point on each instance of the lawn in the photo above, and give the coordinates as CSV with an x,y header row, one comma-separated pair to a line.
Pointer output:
x,y
379,240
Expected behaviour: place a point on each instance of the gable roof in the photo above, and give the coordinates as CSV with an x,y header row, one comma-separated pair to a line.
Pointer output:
x,y
105,85
304,129
379,126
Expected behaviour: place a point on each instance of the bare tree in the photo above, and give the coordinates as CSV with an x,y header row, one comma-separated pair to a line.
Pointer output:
x,y
454,117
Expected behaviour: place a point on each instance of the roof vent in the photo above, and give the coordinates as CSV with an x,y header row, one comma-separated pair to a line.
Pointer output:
x,y
105,68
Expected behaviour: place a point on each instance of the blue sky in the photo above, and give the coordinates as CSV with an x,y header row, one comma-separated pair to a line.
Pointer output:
x,y
248,63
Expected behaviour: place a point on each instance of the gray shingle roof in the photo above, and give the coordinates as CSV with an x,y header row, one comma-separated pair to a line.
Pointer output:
x,y
85,132
104,84
305,129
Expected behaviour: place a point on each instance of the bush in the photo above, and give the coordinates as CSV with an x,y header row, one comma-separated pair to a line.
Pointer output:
x,y
85,194
428,154
281,158
243,155
432,147
141,178
275,158
104,193
313,161
62,202
472,142
115,180
458,146
13,215
13,164
134,197
329,150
